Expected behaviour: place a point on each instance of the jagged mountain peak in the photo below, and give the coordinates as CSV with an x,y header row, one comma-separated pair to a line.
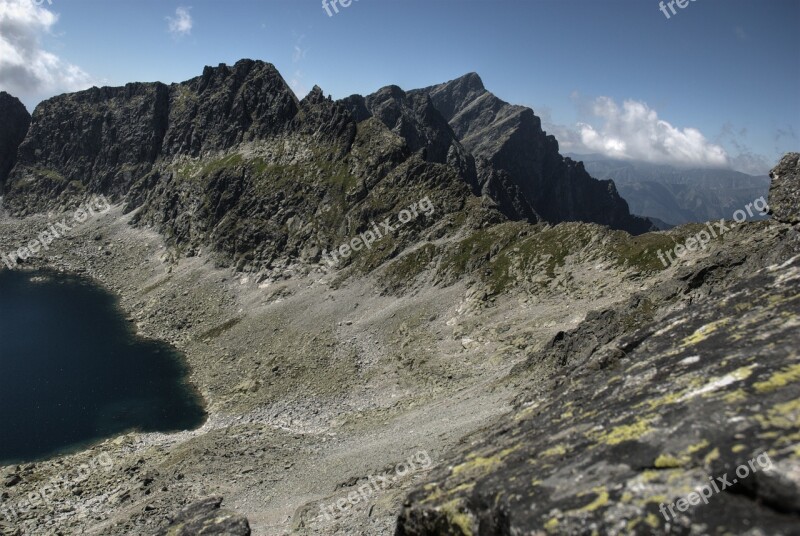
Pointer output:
x,y
498,149
470,82
316,95
521,164
242,67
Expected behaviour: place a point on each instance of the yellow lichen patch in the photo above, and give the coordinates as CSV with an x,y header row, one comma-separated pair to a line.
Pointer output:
x,y
435,491
558,450
738,448
458,517
666,461
779,379
656,499
525,413
790,439
649,475
599,501
652,520
551,525
566,415
785,416
462,487
703,333
697,447
439,493
481,465
776,300
670,398
626,432
739,395
711,456
715,384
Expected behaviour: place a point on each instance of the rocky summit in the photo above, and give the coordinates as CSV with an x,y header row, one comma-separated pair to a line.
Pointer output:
x,y
406,314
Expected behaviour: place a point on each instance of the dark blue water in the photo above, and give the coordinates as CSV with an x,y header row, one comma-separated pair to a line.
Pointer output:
x,y
72,372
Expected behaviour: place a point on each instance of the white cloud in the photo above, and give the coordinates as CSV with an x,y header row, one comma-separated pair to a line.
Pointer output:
x,y
634,131
181,24
26,69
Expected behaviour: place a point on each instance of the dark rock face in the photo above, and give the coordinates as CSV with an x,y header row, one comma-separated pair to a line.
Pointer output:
x,y
207,518
696,378
15,121
784,193
232,161
305,189
96,139
520,164
414,118
227,106
103,139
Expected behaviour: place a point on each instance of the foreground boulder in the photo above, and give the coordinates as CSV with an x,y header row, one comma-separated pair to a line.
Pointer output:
x,y
784,194
206,518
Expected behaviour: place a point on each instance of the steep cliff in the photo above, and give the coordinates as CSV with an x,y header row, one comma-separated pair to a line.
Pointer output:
x,y
231,162
520,164
14,123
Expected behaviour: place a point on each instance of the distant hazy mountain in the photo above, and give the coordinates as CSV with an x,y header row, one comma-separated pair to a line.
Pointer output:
x,y
676,195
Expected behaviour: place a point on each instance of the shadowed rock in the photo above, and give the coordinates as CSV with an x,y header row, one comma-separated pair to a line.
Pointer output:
x,y
206,518
15,121
519,164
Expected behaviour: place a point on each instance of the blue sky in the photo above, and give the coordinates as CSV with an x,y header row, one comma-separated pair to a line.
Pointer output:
x,y
718,83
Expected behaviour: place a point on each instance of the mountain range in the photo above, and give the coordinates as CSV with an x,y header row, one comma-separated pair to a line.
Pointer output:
x,y
516,357
678,195
231,146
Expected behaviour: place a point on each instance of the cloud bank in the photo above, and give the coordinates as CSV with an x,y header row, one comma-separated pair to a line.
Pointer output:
x,y
27,70
634,131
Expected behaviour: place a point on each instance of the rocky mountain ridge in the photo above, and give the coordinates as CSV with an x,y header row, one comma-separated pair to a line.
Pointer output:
x,y
230,146
518,161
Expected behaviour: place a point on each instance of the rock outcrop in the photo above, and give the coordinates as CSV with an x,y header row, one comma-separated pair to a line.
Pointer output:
x,y
519,164
784,192
207,518
15,121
